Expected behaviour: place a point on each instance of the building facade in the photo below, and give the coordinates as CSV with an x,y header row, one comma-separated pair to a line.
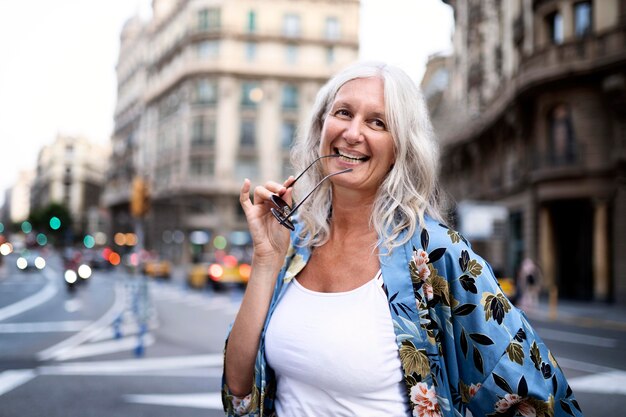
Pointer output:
x,y
534,119
71,172
224,86
19,200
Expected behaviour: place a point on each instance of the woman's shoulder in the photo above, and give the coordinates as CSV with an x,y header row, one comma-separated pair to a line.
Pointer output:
x,y
435,233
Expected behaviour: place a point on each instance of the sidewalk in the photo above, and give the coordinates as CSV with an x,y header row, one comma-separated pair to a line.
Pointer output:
x,y
582,313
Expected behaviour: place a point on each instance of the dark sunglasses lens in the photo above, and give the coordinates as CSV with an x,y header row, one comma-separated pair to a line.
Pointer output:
x,y
284,220
281,205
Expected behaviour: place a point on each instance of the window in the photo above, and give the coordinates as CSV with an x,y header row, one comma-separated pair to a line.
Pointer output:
x,y
330,55
291,54
554,22
247,139
251,94
201,168
582,19
250,51
69,152
202,131
209,19
251,21
287,135
561,136
331,29
246,168
208,49
290,97
291,25
205,92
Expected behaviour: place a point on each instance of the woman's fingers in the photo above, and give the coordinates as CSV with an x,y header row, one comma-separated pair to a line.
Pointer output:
x,y
244,194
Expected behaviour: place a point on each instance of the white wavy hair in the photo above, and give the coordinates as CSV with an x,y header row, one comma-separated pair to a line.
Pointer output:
x,y
409,191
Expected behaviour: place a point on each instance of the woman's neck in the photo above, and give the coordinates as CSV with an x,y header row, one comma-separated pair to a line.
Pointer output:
x,y
351,214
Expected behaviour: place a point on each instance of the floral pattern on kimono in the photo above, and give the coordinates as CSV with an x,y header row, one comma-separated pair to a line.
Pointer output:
x,y
465,349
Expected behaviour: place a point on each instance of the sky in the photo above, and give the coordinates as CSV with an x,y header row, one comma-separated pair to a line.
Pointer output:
x,y
57,64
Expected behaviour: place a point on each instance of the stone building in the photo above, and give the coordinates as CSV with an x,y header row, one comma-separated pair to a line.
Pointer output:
x,y
70,171
212,92
18,201
534,119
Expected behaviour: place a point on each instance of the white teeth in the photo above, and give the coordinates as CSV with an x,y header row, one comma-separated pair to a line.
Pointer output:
x,y
351,158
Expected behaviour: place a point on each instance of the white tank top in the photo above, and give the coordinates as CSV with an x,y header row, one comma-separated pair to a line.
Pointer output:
x,y
335,354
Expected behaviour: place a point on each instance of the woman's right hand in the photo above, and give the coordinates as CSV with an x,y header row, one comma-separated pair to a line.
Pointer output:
x,y
270,239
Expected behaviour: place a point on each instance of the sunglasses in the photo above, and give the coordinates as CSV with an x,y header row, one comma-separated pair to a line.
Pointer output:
x,y
282,211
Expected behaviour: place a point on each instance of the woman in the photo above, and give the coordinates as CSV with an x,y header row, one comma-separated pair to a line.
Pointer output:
x,y
372,306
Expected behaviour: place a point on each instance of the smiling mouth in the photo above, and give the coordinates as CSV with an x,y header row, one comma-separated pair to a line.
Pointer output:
x,y
351,158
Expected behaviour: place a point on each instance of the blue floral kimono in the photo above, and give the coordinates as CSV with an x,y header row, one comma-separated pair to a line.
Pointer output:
x,y
465,349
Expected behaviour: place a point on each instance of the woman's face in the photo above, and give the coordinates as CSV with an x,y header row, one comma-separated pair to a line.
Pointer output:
x,y
356,128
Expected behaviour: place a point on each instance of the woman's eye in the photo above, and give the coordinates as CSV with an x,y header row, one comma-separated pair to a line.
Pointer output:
x,y
379,124
342,113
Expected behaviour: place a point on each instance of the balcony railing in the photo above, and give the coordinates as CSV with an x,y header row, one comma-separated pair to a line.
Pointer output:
x,y
579,55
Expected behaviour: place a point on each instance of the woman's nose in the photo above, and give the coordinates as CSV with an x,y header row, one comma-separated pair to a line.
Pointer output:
x,y
353,132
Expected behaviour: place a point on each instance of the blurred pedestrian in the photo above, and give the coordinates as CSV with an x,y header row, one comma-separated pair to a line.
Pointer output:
x,y
372,306
529,282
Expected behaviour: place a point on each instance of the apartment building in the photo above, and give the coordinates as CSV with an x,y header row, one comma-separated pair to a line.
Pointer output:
x,y
212,92
70,171
534,119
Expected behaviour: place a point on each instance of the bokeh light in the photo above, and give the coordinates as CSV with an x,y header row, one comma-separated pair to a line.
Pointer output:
x,y
131,239
42,240
89,241
27,227
119,239
6,248
55,223
219,242
114,258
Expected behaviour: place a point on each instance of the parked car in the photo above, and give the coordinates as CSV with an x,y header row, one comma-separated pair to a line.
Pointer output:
x,y
220,274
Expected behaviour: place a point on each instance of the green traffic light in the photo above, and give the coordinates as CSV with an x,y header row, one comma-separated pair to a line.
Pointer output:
x,y
55,223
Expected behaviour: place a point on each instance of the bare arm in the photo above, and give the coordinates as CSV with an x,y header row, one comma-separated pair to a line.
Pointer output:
x,y
271,241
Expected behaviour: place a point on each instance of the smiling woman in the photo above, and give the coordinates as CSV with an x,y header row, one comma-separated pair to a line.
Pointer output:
x,y
372,305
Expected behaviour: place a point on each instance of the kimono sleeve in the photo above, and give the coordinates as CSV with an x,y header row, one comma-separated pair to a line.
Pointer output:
x,y
497,364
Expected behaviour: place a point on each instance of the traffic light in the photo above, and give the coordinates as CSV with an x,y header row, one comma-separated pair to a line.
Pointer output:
x,y
140,198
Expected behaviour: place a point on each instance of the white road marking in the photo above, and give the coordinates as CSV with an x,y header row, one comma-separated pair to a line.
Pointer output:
x,y
211,401
89,331
12,379
73,305
605,383
583,366
43,327
33,301
133,365
578,338
102,348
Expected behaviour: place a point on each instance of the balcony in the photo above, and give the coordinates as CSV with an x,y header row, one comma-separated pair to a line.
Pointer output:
x,y
548,166
579,56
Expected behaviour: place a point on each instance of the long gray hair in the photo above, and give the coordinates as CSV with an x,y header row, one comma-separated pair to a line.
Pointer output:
x,y
408,192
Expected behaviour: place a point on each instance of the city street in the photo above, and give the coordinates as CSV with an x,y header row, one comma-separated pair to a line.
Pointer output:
x,y
83,353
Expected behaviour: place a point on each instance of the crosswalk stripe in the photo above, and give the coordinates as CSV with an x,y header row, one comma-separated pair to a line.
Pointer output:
x,y
42,327
604,383
211,401
14,378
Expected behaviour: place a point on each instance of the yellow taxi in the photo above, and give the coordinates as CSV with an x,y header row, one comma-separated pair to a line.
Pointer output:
x,y
157,268
508,287
219,274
